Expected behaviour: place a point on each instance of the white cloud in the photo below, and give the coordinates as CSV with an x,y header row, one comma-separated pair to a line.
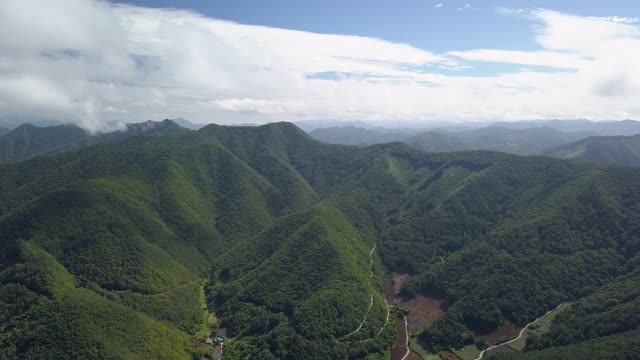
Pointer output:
x,y
513,12
437,6
254,105
619,19
90,62
555,59
467,7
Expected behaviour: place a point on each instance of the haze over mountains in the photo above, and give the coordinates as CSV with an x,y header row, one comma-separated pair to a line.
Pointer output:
x,y
116,250
624,150
522,138
319,180
27,140
550,138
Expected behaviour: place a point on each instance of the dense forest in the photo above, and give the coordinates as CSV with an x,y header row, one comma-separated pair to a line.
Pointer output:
x,y
27,140
120,250
623,150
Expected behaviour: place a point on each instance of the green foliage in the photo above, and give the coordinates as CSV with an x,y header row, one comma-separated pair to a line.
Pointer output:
x,y
621,346
81,324
107,247
527,141
437,141
624,150
447,334
27,141
612,309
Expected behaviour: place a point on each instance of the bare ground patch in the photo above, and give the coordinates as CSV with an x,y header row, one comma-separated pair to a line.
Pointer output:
x,y
389,291
423,309
399,349
448,355
500,334
401,280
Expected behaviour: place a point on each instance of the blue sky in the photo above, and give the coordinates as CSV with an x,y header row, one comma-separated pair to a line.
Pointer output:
x,y
417,22
94,62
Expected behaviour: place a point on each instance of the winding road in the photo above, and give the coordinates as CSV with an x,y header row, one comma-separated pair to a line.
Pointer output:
x,y
406,338
366,314
519,335
401,349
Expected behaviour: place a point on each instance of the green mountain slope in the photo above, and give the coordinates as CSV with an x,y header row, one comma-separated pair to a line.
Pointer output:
x,y
352,135
604,325
624,150
136,225
108,249
27,141
434,141
526,141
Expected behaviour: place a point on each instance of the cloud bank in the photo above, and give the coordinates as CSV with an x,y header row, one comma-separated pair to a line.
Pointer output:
x,y
91,61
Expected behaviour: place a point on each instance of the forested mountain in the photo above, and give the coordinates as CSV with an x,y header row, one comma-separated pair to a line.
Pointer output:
x,y
28,140
3,131
352,135
604,325
109,251
525,141
608,128
188,124
13,121
436,141
624,150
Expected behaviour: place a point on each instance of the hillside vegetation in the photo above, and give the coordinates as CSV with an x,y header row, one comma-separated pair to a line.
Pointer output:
x,y
106,250
623,150
27,141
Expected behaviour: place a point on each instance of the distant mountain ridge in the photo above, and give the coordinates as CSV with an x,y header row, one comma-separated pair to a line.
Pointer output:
x,y
352,135
27,140
609,128
623,150
525,141
436,141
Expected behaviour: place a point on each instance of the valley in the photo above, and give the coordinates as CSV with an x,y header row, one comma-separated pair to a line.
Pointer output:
x,y
319,180
295,239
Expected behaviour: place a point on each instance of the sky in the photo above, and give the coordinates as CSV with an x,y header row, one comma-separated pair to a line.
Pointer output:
x,y
380,61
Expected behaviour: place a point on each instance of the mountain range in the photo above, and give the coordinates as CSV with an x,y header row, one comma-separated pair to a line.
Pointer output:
x,y
552,138
135,247
27,140
624,150
527,141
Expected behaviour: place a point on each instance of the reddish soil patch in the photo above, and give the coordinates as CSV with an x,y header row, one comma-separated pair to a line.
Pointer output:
x,y
400,280
389,291
399,348
413,356
423,310
397,352
503,332
448,355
